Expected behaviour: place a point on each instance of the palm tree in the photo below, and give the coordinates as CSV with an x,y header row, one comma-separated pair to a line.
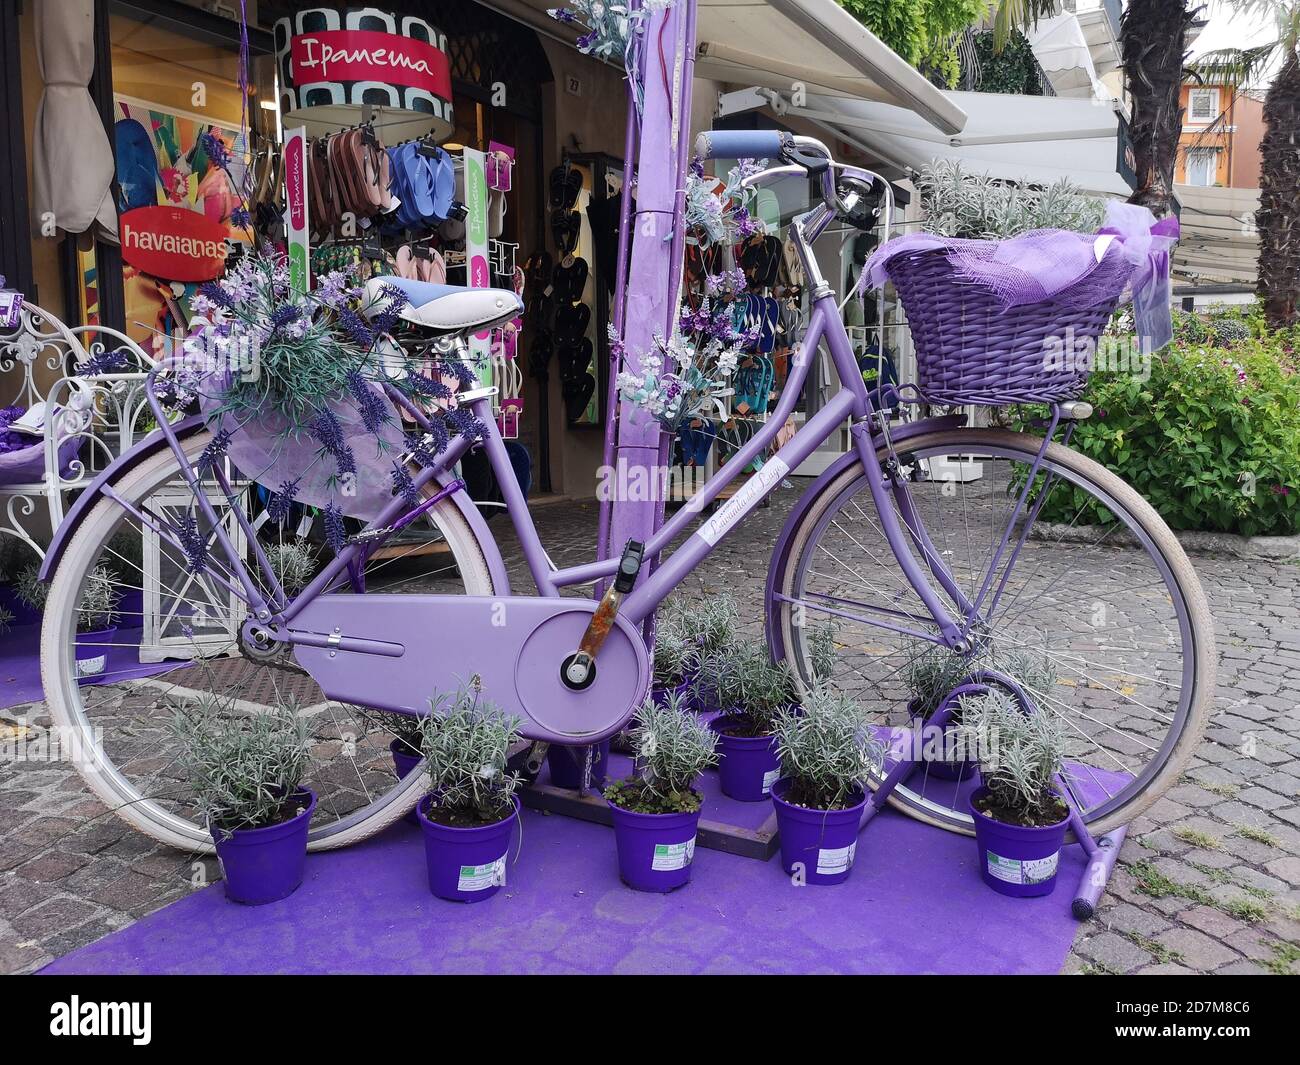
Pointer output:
x,y
1278,217
1153,35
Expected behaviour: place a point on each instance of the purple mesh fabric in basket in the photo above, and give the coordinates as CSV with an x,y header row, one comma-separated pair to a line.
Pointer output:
x,y
1130,254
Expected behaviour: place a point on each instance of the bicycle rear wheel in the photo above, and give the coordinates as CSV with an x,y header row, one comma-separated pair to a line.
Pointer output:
x,y
1115,609
177,647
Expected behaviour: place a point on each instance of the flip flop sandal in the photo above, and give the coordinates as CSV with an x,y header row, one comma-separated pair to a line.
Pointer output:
x,y
496,213
771,314
565,228
537,270
405,263
540,352
569,280
565,185
442,176
575,357
571,321
577,393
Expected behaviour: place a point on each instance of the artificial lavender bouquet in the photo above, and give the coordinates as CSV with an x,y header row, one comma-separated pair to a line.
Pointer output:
x,y
299,389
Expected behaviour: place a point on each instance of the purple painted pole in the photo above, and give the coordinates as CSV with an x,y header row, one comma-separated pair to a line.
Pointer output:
x,y
651,301
603,549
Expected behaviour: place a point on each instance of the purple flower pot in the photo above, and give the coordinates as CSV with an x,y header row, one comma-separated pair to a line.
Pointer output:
x,y
405,762
660,695
748,766
655,851
566,765
92,650
265,864
1015,860
130,608
820,844
23,614
466,864
941,766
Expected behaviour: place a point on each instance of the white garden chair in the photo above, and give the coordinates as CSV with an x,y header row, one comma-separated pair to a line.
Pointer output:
x,y
106,411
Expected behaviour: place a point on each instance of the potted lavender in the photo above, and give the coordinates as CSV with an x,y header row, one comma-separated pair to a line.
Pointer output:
x,y
97,613
245,771
657,812
471,810
751,690
828,754
1019,812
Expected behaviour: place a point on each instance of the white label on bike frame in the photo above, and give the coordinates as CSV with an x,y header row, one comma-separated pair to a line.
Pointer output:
x,y
746,498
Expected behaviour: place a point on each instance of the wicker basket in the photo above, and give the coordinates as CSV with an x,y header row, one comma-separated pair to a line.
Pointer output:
x,y
971,349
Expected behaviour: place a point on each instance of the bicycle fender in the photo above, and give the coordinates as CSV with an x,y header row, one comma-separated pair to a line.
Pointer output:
x,y
155,442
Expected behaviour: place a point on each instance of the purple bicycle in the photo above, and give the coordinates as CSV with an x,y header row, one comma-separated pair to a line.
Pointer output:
x,y
926,534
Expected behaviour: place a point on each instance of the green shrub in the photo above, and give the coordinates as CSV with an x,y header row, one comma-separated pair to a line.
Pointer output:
x,y
1211,438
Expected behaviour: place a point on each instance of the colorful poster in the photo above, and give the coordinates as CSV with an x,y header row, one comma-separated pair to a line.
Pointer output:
x,y
177,209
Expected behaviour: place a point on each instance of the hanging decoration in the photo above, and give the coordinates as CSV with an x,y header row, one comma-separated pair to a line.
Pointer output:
x,y
613,30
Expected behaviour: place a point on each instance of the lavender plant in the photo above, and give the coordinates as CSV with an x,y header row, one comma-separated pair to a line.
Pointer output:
x,y
687,631
243,769
6,620
961,204
1020,757
293,562
466,742
97,607
672,748
749,686
828,753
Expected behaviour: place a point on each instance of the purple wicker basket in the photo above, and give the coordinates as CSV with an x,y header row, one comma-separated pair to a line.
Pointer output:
x,y
972,349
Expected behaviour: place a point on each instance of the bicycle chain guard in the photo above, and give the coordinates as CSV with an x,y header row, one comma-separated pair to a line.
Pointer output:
x,y
423,644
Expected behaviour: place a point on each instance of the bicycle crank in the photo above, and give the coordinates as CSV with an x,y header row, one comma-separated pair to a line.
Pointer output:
x,y
578,671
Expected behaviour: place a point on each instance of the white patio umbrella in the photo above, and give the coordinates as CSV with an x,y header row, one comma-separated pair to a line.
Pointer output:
x,y
72,160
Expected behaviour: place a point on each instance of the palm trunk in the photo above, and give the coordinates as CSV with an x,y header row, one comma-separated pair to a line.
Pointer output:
x,y
1278,217
1152,43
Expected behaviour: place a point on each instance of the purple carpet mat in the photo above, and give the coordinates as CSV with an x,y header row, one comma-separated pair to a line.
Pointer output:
x,y
914,904
20,664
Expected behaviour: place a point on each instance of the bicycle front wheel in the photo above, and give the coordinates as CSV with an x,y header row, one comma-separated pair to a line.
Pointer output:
x,y
1099,593
175,647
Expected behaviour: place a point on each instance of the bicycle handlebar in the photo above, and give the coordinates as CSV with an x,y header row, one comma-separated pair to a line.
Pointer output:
x,y
743,144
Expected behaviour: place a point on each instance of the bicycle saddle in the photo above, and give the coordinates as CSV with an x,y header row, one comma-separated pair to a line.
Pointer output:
x,y
445,308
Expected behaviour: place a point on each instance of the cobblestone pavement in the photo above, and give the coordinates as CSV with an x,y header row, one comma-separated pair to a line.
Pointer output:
x,y
1210,876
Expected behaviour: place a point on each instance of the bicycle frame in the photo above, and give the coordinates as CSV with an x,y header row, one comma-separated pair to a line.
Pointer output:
x,y
852,402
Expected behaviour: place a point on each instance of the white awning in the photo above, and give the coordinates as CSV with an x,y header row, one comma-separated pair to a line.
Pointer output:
x,y
1062,50
1219,242
1017,138
778,42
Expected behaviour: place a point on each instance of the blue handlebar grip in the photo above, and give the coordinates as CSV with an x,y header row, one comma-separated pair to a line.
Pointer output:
x,y
741,144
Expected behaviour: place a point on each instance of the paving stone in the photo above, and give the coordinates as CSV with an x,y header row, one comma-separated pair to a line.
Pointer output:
x,y
1196,948
1116,951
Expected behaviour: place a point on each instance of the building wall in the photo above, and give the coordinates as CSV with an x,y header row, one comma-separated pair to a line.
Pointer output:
x,y
1249,119
1213,134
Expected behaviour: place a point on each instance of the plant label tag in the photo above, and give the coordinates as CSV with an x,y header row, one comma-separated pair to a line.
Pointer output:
x,y
1027,871
751,493
770,778
482,877
836,860
669,856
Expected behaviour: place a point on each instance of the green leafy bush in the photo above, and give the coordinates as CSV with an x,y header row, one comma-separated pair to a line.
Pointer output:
x,y
1211,438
